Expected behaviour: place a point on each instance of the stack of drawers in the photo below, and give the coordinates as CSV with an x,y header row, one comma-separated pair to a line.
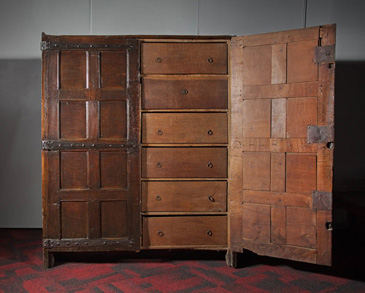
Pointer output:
x,y
184,144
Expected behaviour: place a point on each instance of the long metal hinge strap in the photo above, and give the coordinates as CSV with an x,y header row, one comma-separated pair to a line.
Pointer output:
x,y
50,145
320,134
63,46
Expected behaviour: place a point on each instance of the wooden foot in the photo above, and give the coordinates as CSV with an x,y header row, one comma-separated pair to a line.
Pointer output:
x,y
231,258
48,259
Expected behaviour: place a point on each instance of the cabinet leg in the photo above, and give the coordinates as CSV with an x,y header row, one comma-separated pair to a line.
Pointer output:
x,y
48,259
231,258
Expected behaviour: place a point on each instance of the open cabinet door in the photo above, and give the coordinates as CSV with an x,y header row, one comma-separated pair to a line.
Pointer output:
x,y
281,149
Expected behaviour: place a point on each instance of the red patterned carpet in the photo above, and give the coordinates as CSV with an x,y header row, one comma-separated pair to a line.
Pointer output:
x,y
21,270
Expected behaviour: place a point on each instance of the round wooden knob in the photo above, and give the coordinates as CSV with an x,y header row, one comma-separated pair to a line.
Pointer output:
x,y
184,92
159,132
209,233
159,165
210,132
210,165
211,198
210,60
158,60
158,198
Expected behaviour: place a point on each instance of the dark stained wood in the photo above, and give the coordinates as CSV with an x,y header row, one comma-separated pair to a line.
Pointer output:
x,y
187,58
185,128
114,219
113,73
73,70
113,119
74,219
72,120
91,193
184,196
184,163
179,231
74,167
113,169
202,93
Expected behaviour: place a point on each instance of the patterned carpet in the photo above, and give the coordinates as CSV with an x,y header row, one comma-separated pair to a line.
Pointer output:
x,y
21,270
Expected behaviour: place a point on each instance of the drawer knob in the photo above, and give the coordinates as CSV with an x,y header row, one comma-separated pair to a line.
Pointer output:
x,y
209,233
211,198
210,165
159,165
184,92
159,132
158,60
158,198
210,60
210,132
160,233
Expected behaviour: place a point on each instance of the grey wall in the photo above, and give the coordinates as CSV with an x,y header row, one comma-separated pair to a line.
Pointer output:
x,y
21,24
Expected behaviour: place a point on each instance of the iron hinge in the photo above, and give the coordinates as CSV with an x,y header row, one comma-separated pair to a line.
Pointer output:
x,y
322,200
51,145
45,45
320,134
325,54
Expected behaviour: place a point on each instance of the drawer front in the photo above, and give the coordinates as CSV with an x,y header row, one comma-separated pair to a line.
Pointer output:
x,y
185,94
184,162
184,58
208,196
186,230
184,128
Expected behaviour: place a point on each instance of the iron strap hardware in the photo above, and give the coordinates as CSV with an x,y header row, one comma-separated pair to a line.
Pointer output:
x,y
83,243
325,54
51,145
63,46
320,134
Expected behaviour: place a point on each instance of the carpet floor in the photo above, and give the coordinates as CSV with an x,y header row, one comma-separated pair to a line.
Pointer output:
x,y
21,270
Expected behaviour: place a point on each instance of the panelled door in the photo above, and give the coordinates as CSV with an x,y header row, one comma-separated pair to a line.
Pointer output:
x,y
281,149
90,143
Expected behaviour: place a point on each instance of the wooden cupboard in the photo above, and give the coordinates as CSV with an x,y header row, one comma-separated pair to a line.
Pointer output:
x,y
196,142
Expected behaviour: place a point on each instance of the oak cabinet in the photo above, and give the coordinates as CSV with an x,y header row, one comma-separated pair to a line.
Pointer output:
x,y
214,142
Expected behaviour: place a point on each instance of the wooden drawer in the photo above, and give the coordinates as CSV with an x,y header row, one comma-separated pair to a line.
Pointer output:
x,y
185,93
184,162
185,230
184,128
184,58
175,196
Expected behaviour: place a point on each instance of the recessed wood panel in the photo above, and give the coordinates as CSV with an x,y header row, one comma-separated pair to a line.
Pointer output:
x,y
184,162
185,128
184,58
300,114
278,171
179,231
73,69
301,173
301,62
74,219
278,64
74,170
113,119
113,169
256,170
278,118
278,228
256,65
256,222
72,120
185,93
256,115
113,69
184,196
114,223
301,227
